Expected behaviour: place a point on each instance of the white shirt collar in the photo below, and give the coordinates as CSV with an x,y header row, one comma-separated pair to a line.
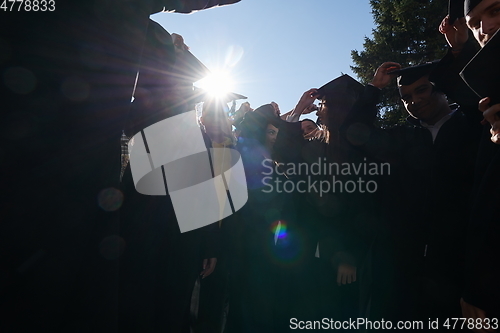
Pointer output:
x,y
434,129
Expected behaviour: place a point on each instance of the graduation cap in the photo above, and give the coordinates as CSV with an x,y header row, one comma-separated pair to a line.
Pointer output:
x,y
158,55
469,5
455,10
163,64
255,122
482,73
266,111
409,75
340,86
229,97
188,68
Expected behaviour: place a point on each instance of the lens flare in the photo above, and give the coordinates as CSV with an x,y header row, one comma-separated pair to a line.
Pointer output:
x,y
112,247
287,247
110,199
233,55
279,230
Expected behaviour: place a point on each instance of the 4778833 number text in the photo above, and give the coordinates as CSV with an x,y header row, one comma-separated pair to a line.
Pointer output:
x,y
28,5
470,323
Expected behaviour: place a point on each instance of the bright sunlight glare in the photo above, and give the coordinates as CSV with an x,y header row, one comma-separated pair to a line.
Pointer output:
x,y
217,84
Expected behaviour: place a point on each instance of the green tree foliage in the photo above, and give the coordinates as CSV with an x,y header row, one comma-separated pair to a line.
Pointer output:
x,y
406,32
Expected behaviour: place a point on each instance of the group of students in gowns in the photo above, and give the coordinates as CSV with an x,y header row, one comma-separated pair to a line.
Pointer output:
x,y
417,248
430,230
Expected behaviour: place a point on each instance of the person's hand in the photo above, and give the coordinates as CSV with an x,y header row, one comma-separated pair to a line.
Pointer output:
x,y
179,42
382,78
311,108
208,267
305,101
276,108
456,34
491,115
245,107
308,97
346,274
470,311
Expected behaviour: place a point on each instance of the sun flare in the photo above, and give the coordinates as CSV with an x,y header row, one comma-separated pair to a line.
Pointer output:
x,y
217,84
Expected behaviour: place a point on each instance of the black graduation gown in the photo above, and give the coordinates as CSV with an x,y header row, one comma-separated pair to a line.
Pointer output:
x,y
266,266
482,272
160,264
342,222
214,290
425,201
54,235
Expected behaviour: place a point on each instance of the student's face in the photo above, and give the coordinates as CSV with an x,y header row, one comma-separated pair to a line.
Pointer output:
x,y
422,102
321,113
334,108
271,134
307,127
484,20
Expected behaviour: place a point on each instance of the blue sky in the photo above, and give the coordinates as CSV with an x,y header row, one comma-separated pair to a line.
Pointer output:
x,y
274,50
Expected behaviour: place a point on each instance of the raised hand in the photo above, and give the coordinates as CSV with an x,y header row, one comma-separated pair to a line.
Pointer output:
x,y
382,76
306,100
491,115
456,34
178,41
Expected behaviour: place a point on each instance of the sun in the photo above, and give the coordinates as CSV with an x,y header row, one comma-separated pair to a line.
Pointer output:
x,y
217,84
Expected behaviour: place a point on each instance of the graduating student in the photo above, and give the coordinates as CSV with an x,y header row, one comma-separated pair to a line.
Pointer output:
x,y
424,199
257,283
481,296
77,63
335,218
161,264
214,291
